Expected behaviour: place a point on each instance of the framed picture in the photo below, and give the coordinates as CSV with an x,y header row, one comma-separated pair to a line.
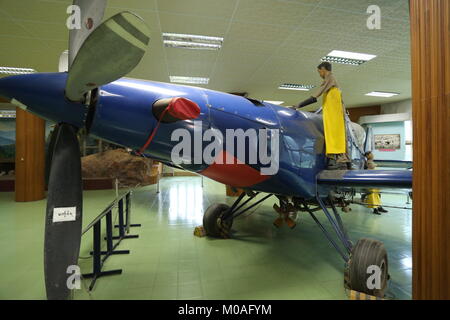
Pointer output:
x,y
387,142
7,138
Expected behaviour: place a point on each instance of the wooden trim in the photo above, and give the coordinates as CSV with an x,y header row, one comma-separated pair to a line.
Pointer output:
x,y
430,59
180,174
356,113
30,157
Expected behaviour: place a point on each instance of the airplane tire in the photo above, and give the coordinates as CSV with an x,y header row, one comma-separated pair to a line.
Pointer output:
x,y
212,221
367,253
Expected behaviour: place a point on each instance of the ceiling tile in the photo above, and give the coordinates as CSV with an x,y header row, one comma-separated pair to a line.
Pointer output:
x,y
30,55
192,25
191,63
148,5
258,32
360,6
272,12
12,28
220,9
36,10
53,31
267,42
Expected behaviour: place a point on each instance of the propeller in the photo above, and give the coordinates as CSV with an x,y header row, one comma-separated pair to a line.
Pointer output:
x,y
98,53
49,154
64,211
110,52
91,16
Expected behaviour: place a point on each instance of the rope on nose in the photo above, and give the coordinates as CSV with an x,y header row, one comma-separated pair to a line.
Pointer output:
x,y
176,110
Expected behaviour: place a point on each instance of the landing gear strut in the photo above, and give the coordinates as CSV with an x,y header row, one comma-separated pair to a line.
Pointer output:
x,y
218,218
366,262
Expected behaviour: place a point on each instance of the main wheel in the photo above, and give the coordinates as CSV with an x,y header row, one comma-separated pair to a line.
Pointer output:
x,y
213,223
368,268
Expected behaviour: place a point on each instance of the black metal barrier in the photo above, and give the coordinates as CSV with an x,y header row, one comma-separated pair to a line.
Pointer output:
x,y
124,228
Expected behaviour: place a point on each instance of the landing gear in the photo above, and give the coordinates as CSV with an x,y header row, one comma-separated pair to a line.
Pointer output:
x,y
214,223
367,262
368,268
219,218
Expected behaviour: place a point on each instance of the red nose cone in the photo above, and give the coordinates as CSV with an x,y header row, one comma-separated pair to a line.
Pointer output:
x,y
183,109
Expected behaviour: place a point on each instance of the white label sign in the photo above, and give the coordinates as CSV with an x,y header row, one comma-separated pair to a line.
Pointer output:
x,y
64,214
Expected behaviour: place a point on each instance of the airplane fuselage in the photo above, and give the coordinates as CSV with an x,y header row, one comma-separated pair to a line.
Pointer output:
x,y
122,114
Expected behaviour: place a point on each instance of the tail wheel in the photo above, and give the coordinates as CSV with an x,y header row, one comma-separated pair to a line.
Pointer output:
x,y
368,268
213,223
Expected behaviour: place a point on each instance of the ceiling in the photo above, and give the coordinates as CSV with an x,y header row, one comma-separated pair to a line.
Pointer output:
x,y
267,43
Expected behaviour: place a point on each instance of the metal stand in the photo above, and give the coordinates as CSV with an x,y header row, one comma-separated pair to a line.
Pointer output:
x,y
158,187
122,225
97,253
97,258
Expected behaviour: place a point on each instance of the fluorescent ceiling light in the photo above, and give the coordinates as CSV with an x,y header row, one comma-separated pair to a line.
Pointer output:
x,y
192,38
298,87
12,70
191,41
345,57
191,80
191,45
382,94
343,61
351,55
7,114
274,102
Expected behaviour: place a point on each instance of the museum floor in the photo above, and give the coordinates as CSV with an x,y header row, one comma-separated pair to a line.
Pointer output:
x,y
168,262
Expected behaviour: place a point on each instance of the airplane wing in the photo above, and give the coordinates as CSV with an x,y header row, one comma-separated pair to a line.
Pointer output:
x,y
391,179
394,163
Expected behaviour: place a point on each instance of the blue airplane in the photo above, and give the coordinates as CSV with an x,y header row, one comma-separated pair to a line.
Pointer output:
x,y
94,97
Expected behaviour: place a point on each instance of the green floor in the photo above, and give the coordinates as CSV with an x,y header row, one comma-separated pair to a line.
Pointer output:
x,y
168,262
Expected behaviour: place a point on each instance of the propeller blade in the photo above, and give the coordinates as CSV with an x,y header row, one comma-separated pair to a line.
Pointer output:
x,y
91,16
49,153
110,52
64,213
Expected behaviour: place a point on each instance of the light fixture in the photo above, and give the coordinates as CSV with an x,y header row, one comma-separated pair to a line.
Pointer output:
x,y
191,41
298,87
191,45
345,57
12,70
190,80
7,114
274,102
382,94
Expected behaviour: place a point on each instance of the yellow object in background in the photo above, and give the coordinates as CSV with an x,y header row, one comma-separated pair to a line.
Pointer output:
x,y
199,232
333,122
355,295
373,199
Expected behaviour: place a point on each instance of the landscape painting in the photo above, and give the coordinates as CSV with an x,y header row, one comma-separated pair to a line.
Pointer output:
x,y
7,139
